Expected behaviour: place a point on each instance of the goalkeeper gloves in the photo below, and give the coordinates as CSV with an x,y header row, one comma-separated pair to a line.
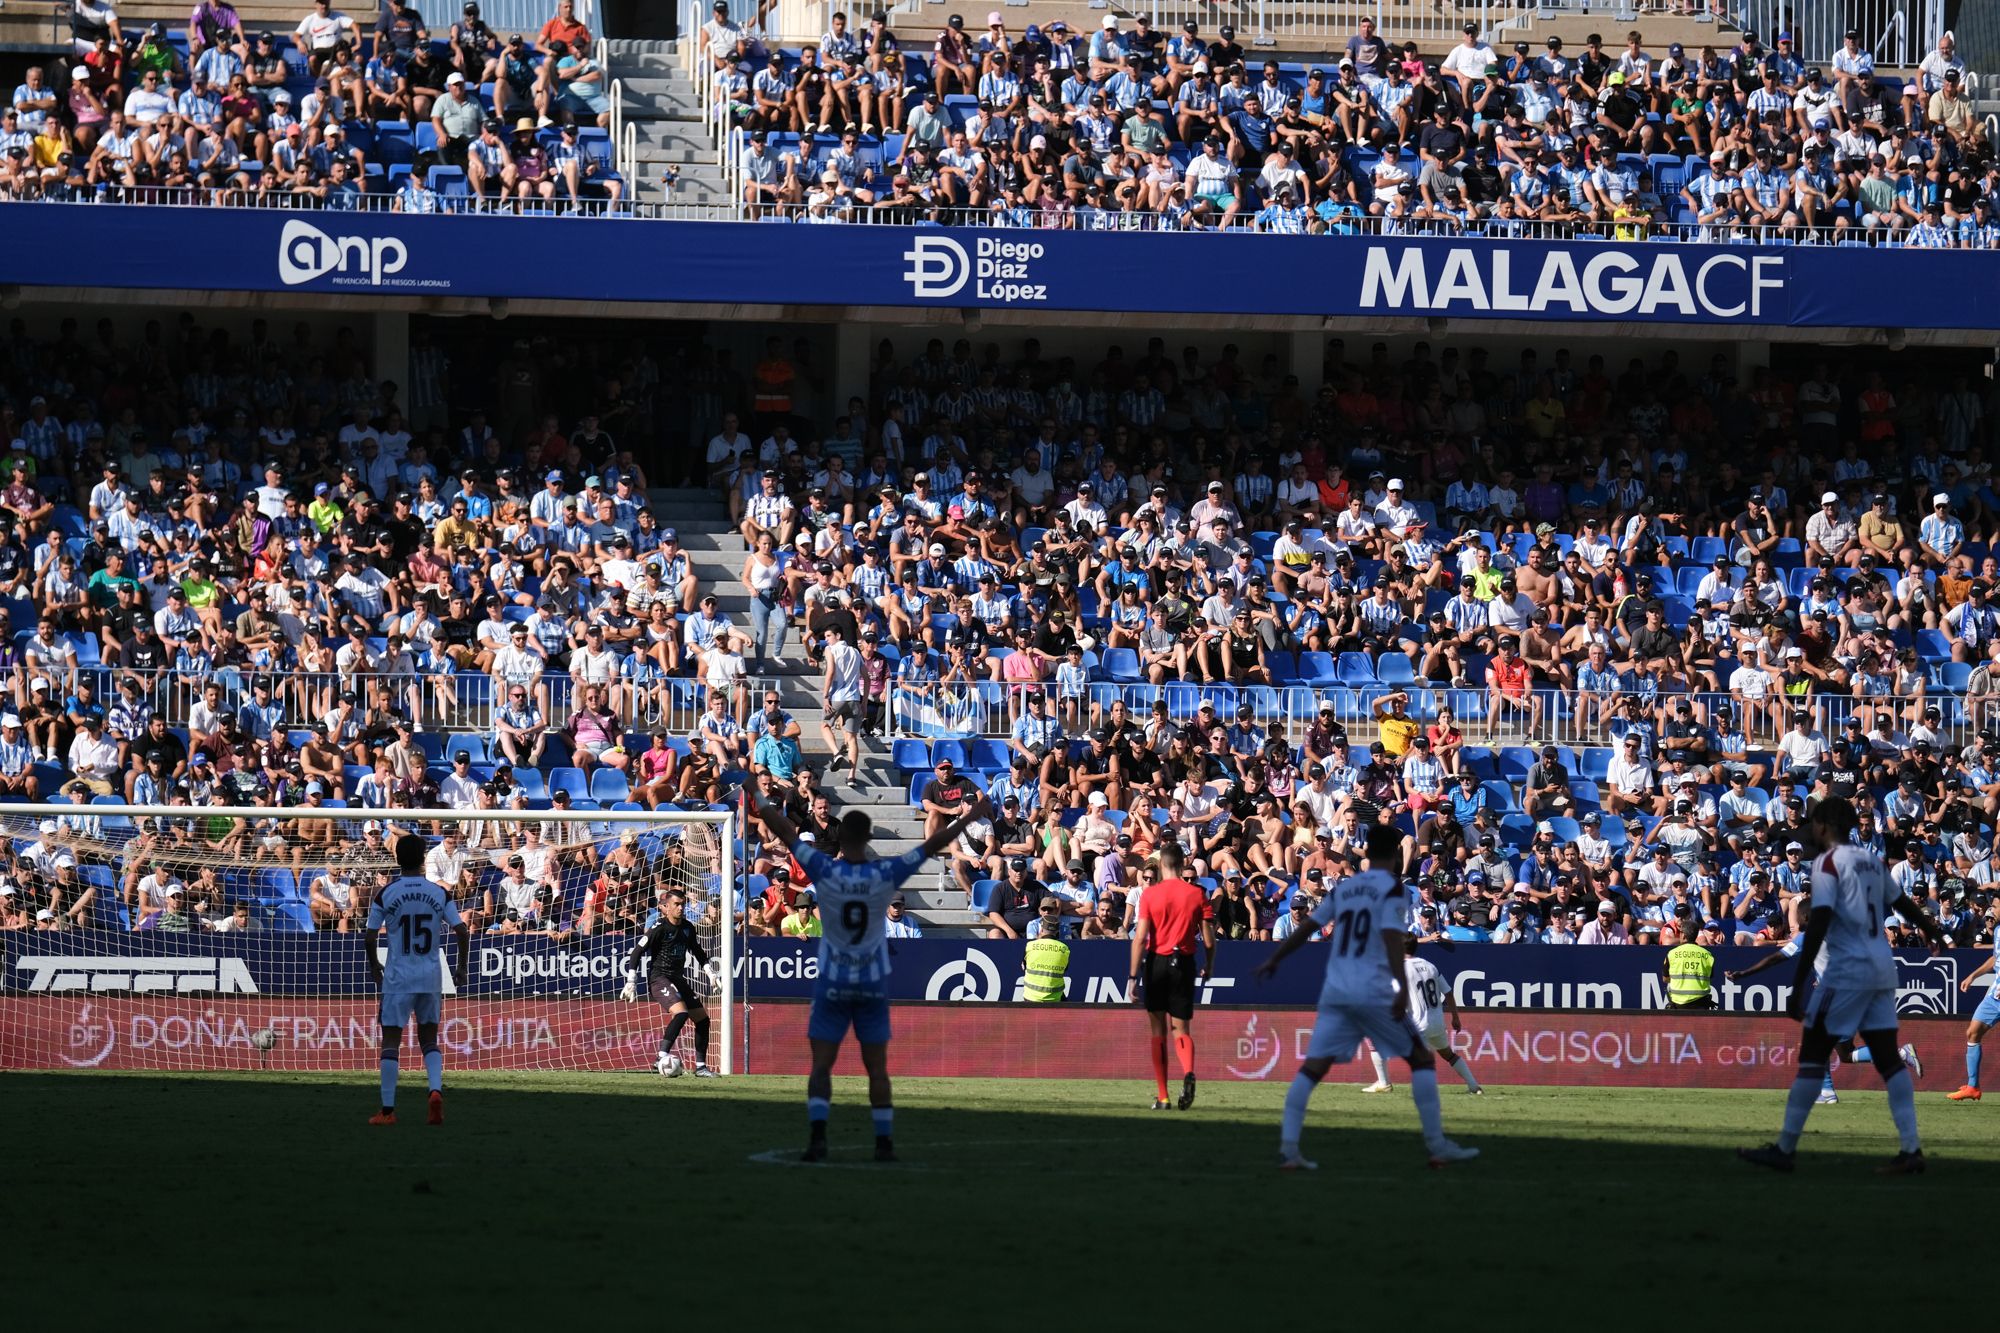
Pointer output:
x,y
631,992
713,967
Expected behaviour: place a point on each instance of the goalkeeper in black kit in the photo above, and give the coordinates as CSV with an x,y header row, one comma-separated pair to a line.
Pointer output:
x,y
665,948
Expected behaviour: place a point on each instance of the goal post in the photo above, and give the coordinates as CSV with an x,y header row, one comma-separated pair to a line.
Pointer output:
x,y
199,938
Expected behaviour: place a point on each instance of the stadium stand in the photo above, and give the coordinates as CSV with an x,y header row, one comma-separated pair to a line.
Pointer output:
x,y
1588,634
316,111
1095,123
1119,124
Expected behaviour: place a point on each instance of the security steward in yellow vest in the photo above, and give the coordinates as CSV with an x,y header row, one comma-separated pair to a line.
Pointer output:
x,y
1047,956
1688,969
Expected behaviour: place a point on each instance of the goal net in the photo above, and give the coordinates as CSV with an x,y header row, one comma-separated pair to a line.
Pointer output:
x,y
217,938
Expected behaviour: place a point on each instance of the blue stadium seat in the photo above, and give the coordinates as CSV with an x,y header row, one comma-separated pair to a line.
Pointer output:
x,y
1122,665
1395,669
982,894
571,780
608,784
911,756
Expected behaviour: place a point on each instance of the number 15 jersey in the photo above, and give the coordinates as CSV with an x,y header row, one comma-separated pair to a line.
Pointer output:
x,y
853,907
1355,914
417,913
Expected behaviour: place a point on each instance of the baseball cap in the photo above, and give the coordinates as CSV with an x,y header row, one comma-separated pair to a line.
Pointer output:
x,y
452,78
1606,906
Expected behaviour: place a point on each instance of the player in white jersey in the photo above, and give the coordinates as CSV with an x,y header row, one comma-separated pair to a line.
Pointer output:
x,y
1363,996
1856,991
1854,1052
413,912
1431,1003
852,988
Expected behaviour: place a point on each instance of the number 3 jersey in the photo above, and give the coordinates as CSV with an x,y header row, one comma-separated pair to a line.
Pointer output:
x,y
416,913
853,907
1355,914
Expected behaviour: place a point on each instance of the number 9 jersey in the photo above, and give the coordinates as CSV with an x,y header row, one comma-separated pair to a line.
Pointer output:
x,y
854,911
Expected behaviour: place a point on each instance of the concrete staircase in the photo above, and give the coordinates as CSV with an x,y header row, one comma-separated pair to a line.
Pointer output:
x,y
715,554
665,104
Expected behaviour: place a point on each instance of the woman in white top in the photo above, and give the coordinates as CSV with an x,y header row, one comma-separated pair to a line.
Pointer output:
x,y
763,575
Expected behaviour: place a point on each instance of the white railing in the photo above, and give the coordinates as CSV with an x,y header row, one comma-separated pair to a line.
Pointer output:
x,y
1329,23
464,701
1896,32
1558,717
284,201
618,124
734,209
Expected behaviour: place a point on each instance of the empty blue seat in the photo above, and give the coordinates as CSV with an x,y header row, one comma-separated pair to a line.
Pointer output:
x,y
911,756
571,780
608,785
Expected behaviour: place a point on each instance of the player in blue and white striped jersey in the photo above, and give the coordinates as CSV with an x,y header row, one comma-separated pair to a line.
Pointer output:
x,y
852,988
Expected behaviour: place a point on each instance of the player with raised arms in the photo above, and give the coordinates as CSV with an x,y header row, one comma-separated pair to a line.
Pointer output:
x,y
665,947
852,988
413,912
1364,995
1856,992
1431,1003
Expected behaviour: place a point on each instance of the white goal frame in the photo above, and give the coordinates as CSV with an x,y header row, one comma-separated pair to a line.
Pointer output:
x,y
726,822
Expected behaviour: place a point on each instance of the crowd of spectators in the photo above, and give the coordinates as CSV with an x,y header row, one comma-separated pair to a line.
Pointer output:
x,y
1128,126
244,570
323,116
1593,629
1146,597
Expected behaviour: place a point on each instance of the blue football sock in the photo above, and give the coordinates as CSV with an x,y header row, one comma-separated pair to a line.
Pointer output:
x,y
885,1122
818,1109
1972,1053
391,1066
434,1070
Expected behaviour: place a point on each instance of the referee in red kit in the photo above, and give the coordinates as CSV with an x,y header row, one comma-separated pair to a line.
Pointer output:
x,y
1163,967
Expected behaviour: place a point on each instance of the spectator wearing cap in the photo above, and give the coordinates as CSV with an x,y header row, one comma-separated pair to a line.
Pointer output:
x,y
458,118
1605,927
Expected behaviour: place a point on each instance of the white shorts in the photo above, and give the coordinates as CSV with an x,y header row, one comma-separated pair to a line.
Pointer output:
x,y
1437,1038
399,1006
1338,1032
1849,1012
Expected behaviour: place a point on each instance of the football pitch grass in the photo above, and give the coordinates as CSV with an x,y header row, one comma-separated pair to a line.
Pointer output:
x,y
266,1202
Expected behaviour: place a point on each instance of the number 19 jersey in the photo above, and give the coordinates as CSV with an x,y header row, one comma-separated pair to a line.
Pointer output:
x,y
853,909
416,913
1356,913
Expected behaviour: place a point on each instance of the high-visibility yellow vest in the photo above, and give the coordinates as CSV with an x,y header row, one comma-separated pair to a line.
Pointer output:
x,y
1048,959
1689,967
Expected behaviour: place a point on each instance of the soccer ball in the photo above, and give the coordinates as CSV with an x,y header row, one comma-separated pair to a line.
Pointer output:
x,y
669,1066
263,1039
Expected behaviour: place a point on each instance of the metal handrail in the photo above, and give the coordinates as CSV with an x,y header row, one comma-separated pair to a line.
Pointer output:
x,y
618,125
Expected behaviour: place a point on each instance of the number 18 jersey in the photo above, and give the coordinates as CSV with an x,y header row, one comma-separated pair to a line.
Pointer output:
x,y
417,914
1355,914
853,907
